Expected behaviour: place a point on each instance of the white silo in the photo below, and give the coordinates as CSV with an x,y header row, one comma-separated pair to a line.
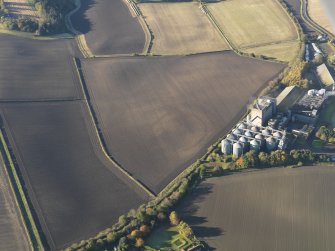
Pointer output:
x,y
260,139
248,134
254,129
244,142
271,144
238,132
255,145
242,126
237,150
226,147
266,132
231,137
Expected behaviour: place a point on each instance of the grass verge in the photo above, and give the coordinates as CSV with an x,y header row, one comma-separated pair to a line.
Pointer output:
x,y
20,197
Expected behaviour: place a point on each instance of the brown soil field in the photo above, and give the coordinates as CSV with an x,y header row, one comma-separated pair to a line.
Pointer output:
x,y
181,28
159,114
12,233
109,27
37,70
76,192
277,209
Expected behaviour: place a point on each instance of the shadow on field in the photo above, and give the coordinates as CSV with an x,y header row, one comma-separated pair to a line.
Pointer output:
x,y
188,210
80,20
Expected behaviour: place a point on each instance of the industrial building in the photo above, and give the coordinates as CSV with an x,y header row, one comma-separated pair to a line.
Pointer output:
x,y
324,75
265,127
263,109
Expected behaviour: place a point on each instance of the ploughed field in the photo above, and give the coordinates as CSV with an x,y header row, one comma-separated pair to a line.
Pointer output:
x,y
37,70
75,190
181,28
258,23
12,233
109,27
159,114
276,209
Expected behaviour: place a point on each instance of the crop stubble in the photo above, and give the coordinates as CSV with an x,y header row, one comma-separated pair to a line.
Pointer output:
x,y
158,115
181,28
278,209
255,23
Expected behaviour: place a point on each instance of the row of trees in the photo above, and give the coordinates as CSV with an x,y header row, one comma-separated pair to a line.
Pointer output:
x,y
253,159
326,134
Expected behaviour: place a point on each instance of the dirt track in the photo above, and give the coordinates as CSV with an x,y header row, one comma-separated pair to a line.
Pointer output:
x,y
37,70
109,27
74,189
158,115
278,209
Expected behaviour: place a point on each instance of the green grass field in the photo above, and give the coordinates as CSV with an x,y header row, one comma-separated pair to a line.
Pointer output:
x,y
259,26
165,238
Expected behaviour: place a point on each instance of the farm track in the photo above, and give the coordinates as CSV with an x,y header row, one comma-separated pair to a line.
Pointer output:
x,y
275,209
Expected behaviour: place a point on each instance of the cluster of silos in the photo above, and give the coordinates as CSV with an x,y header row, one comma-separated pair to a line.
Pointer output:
x,y
245,137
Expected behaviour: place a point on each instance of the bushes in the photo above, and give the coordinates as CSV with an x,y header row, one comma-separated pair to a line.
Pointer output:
x,y
20,24
326,134
295,74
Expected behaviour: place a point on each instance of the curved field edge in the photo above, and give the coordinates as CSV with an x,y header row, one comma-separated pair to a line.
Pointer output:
x,y
20,197
102,143
209,8
84,45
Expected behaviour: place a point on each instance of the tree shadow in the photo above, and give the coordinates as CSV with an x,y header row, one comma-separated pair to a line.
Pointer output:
x,y
80,20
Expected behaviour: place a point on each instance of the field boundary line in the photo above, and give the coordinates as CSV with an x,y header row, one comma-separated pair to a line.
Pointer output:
x,y
269,44
34,236
100,139
132,6
16,203
305,16
79,37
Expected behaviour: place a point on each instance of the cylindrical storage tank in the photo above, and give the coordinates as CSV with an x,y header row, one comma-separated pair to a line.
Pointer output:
x,y
226,147
271,144
244,143
237,150
254,145
242,126
277,135
237,132
260,139
266,132
254,129
231,137
248,134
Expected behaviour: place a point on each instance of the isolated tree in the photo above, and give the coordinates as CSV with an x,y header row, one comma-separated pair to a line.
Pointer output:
x,y
139,242
174,219
144,230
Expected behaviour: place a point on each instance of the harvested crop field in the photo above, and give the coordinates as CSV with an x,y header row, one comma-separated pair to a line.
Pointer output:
x,y
255,23
37,70
12,234
278,209
283,51
181,28
159,114
109,27
75,190
317,11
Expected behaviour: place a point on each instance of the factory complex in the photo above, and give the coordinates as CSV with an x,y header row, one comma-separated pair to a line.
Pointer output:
x,y
274,123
